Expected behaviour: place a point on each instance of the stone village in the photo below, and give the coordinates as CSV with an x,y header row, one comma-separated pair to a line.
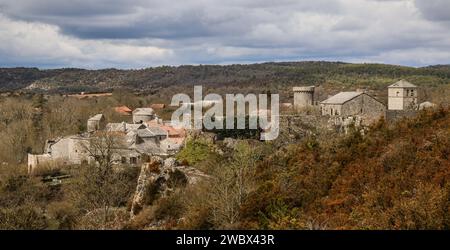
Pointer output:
x,y
149,135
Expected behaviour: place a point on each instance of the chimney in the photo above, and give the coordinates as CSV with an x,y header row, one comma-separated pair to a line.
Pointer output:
x,y
124,127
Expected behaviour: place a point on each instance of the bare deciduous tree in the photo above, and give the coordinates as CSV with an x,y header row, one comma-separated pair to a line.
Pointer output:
x,y
101,185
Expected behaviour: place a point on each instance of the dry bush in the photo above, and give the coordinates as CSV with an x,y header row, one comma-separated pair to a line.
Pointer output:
x,y
63,214
95,219
23,217
198,212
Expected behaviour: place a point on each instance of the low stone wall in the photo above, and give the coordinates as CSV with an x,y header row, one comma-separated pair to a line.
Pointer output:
x,y
43,162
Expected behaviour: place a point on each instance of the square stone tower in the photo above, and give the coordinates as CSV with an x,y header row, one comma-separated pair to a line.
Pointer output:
x,y
402,95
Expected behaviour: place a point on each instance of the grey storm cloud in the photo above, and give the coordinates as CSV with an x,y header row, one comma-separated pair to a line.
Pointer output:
x,y
436,10
139,33
157,19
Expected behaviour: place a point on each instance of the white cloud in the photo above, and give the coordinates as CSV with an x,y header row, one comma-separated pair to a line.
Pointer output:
x,y
43,44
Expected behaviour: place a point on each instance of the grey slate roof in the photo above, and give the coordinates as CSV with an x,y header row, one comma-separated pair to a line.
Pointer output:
x,y
148,148
151,132
123,127
342,97
157,131
402,84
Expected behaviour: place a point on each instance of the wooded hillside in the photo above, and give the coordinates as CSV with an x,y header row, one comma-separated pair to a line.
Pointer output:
x,y
266,76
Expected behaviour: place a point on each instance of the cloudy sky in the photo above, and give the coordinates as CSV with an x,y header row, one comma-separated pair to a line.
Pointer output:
x,y
144,33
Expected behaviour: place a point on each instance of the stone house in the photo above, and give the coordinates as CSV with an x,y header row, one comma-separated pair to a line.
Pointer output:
x,y
347,104
141,115
67,150
175,136
95,123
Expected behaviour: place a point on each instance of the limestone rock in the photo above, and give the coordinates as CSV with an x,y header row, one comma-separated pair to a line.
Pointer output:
x,y
158,172
149,174
170,162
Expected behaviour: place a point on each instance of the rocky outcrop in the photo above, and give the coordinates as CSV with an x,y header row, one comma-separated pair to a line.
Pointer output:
x,y
164,175
170,162
150,172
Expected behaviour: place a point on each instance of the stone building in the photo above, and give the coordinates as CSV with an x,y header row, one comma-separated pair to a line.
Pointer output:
x,y
123,127
95,123
175,136
67,150
347,104
141,115
303,96
135,143
402,95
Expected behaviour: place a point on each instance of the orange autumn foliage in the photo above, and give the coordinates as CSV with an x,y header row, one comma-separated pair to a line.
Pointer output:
x,y
397,176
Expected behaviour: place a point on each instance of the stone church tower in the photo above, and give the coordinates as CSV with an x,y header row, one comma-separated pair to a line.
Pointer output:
x,y
402,95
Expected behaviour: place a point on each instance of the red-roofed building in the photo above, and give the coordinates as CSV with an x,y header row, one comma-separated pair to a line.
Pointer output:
x,y
176,137
123,110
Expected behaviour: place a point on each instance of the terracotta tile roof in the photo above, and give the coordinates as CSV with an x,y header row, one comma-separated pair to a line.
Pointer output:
x,y
123,110
171,131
